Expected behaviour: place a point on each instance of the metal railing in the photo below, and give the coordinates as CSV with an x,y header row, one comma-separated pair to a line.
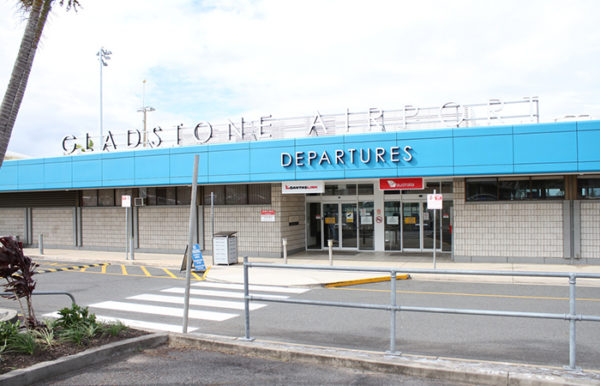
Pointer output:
x,y
393,307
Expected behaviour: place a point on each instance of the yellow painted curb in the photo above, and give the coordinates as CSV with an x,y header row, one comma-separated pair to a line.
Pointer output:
x,y
345,283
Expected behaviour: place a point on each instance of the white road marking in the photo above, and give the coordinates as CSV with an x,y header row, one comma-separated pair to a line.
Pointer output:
x,y
196,301
253,287
223,294
159,310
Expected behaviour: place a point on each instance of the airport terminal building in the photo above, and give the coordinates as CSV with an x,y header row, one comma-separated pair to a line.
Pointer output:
x,y
513,189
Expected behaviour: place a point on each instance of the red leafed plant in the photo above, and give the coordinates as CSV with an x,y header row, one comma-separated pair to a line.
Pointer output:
x,y
18,271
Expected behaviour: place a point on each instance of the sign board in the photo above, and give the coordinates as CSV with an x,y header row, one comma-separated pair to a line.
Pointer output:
x,y
301,187
434,201
126,201
267,215
197,258
415,183
392,220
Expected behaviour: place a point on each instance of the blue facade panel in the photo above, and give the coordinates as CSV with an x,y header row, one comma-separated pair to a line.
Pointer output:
x,y
523,149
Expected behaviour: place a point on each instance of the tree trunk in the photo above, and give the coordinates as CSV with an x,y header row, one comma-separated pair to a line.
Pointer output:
x,y
21,69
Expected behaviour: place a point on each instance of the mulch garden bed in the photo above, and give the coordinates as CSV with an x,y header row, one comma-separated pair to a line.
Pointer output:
x,y
12,361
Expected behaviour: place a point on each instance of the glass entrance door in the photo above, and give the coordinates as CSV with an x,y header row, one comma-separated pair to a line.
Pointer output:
x,y
331,224
340,224
349,229
411,225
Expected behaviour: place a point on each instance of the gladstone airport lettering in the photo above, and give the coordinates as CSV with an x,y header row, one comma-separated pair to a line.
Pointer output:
x,y
347,156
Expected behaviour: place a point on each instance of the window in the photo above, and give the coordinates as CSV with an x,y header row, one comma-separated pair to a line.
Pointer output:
x,y
588,187
218,190
106,197
165,196
236,194
89,198
549,189
515,188
184,195
509,190
259,194
482,189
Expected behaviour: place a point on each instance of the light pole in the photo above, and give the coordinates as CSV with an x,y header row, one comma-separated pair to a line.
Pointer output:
x,y
103,55
145,109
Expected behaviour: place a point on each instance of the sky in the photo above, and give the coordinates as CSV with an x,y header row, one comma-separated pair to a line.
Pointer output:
x,y
220,60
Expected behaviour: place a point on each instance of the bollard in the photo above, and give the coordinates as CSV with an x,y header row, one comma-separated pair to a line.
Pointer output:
x,y
284,241
41,244
330,245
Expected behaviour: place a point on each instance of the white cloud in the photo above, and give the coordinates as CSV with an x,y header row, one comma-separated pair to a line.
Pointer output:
x,y
214,60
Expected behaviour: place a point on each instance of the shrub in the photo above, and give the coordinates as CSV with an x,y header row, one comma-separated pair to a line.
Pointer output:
x,y
23,342
113,329
18,270
74,317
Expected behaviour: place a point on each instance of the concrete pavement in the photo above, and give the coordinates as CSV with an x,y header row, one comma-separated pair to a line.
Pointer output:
x,y
300,277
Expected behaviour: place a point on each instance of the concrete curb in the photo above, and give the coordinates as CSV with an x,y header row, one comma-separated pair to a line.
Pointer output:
x,y
472,372
346,283
48,369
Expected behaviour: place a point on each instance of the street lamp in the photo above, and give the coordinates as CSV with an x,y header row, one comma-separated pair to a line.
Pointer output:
x,y
145,109
103,55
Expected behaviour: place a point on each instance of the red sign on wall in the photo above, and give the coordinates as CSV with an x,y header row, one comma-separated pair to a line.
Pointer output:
x,y
413,183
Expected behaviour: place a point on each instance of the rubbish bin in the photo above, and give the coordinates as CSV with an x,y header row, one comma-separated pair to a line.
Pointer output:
x,y
225,248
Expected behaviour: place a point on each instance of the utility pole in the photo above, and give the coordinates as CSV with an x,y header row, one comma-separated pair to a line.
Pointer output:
x,y
103,55
145,109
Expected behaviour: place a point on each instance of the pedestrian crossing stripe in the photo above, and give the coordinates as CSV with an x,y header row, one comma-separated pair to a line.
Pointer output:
x,y
160,310
196,302
252,287
223,294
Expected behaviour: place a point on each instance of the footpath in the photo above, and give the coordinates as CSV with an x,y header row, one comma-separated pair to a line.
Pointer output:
x,y
424,367
299,277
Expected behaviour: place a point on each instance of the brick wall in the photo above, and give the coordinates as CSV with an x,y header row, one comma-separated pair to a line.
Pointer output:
x,y
103,227
163,227
590,229
12,222
506,229
56,224
257,238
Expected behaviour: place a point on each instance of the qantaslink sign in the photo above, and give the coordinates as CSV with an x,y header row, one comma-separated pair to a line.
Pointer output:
x,y
347,156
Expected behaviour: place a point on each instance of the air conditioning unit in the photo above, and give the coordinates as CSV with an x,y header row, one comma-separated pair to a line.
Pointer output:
x,y
138,201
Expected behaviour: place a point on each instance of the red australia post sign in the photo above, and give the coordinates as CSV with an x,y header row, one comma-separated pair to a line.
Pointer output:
x,y
412,183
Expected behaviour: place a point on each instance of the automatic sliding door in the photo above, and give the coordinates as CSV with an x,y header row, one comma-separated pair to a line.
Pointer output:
x,y
411,225
331,224
392,226
349,228
366,230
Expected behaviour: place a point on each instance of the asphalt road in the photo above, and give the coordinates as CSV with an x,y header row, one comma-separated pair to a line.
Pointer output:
x,y
543,342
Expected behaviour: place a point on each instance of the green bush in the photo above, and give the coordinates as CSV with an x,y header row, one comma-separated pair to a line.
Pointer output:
x,y
113,329
75,317
8,330
23,342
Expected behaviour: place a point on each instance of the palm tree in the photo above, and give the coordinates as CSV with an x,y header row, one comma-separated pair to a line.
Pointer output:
x,y
38,14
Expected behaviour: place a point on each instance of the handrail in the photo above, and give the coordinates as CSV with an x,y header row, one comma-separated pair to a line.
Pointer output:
x,y
392,307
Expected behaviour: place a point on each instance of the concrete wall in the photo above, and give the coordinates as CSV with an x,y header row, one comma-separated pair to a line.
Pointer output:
x,y
12,222
590,229
163,227
255,238
532,230
103,227
56,224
